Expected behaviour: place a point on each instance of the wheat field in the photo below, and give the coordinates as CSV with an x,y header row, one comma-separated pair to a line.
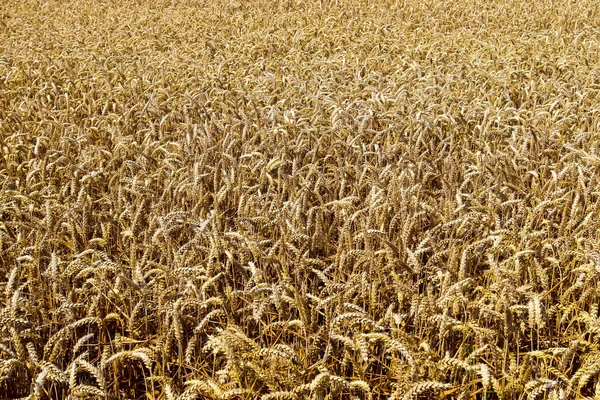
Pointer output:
x,y
273,200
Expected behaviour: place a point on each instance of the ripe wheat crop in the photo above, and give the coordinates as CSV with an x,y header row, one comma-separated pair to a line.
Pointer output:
x,y
287,200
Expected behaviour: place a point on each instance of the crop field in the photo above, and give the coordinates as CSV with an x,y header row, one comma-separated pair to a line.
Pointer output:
x,y
288,200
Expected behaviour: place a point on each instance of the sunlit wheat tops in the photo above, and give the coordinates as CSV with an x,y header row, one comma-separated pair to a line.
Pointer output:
x,y
299,199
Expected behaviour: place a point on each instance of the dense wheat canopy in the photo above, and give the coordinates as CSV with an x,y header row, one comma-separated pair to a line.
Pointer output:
x,y
291,199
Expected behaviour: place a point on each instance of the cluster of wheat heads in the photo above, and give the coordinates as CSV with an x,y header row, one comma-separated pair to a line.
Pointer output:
x,y
299,200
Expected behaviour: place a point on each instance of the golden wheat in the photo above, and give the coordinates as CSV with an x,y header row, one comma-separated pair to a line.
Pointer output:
x,y
299,199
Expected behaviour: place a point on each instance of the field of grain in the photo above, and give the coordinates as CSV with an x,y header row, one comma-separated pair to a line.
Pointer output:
x,y
299,199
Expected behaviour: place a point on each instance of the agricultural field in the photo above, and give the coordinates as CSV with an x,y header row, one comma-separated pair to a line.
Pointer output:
x,y
287,200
